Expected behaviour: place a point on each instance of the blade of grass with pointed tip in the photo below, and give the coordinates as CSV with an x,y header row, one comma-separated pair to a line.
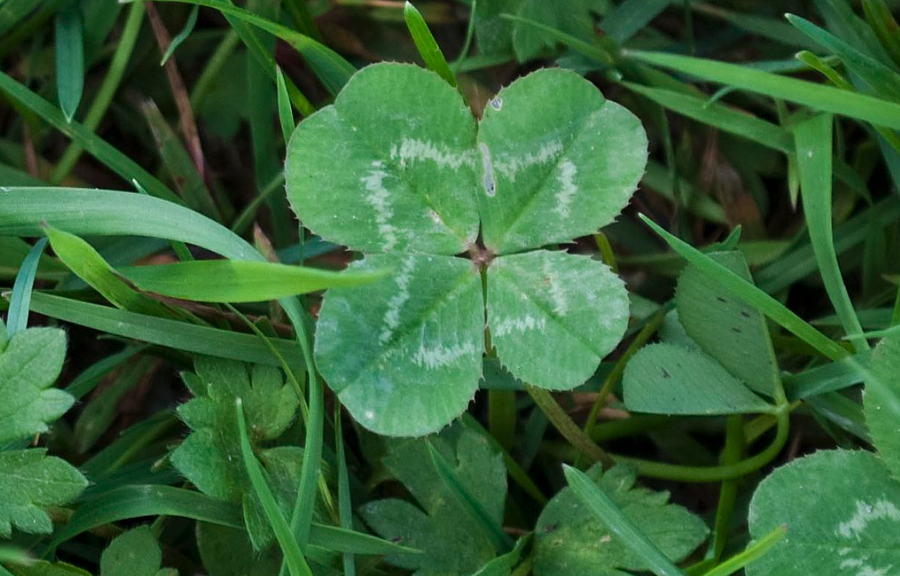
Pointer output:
x,y
293,557
619,524
880,78
285,115
329,67
98,107
826,98
19,303
239,280
814,148
502,542
719,116
69,43
92,144
88,265
181,36
178,163
752,295
426,44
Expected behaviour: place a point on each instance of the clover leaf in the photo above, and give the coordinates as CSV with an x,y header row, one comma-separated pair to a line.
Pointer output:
x,y
399,169
715,357
841,509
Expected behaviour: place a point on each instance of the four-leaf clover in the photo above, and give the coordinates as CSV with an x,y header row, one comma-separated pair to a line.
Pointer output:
x,y
399,169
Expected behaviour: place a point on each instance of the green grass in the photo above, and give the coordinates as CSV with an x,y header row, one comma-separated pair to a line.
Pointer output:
x,y
184,183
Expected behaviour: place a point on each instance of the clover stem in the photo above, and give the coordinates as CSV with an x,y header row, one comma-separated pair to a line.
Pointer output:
x,y
567,427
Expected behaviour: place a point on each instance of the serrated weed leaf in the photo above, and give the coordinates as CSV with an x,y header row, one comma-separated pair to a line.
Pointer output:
x,y
841,509
30,482
210,456
570,539
881,402
29,365
451,541
411,179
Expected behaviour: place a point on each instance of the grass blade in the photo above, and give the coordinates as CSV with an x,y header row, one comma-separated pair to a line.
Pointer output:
x,y
426,44
106,91
293,557
884,81
345,504
302,515
113,213
19,303
825,98
610,514
285,114
814,145
181,36
84,137
166,332
751,295
754,551
239,281
126,502
879,17
90,266
69,43
178,163
722,117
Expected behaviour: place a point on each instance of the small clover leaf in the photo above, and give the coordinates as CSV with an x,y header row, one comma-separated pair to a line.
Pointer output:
x,y
715,357
398,168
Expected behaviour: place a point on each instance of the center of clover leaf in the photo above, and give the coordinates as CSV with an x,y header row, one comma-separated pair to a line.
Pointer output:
x,y
399,169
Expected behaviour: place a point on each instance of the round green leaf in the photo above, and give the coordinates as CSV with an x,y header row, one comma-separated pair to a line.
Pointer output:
x,y
559,161
882,402
554,316
404,353
673,379
842,513
390,166
725,327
